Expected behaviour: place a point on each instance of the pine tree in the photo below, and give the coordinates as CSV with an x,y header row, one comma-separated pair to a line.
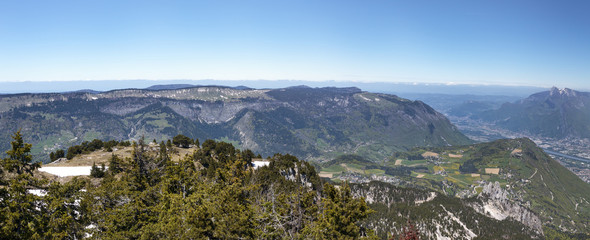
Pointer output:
x,y
182,141
20,211
19,156
97,172
115,164
65,214
163,158
59,154
340,214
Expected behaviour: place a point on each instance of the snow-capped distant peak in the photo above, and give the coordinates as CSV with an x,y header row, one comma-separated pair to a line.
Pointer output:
x,y
566,92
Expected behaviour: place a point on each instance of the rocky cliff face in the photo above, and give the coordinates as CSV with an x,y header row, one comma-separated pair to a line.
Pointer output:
x,y
499,204
312,123
434,215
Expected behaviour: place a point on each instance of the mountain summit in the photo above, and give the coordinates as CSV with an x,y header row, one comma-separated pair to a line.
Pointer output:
x,y
557,113
566,92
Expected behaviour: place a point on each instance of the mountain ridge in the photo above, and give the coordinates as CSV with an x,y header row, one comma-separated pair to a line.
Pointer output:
x,y
312,123
557,113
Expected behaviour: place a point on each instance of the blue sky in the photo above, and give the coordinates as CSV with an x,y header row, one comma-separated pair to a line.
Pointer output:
x,y
534,43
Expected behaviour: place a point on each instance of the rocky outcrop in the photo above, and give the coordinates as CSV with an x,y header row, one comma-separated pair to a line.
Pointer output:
x,y
498,203
436,216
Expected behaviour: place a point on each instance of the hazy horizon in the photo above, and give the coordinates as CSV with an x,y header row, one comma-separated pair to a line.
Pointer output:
x,y
383,87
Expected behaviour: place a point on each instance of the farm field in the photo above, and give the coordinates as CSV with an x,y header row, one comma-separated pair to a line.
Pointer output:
x,y
457,169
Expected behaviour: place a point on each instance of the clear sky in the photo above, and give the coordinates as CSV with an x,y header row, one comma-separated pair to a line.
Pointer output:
x,y
534,42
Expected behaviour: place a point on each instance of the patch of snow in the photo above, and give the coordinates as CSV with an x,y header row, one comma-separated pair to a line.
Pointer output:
x,y
67,171
89,227
257,164
37,192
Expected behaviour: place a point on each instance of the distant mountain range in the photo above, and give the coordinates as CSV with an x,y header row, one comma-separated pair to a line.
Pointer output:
x,y
378,87
461,105
180,86
558,113
311,123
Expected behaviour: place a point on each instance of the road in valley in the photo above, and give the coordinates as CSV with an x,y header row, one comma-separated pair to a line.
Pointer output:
x,y
567,156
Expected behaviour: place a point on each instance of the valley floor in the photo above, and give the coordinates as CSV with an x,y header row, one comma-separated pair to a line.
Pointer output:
x,y
574,154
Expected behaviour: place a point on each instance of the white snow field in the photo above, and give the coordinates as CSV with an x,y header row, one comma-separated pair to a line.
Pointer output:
x,y
67,171
258,164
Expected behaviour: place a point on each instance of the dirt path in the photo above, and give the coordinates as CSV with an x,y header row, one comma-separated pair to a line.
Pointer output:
x,y
533,174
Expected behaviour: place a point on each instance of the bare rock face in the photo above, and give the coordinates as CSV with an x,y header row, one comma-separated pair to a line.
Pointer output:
x,y
499,204
438,216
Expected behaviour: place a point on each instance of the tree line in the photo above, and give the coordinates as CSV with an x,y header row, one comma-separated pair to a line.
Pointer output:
x,y
96,144
213,193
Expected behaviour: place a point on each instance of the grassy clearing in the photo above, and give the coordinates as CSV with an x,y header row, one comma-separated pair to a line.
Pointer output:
x,y
102,156
91,135
466,178
160,123
413,163
377,172
232,142
334,169
351,167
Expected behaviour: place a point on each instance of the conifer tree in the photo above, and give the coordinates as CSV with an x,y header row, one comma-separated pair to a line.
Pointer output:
x,y
19,156
115,164
20,211
97,172
59,154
